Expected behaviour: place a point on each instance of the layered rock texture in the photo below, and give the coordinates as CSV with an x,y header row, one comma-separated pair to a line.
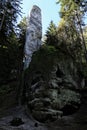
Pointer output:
x,y
51,83
33,34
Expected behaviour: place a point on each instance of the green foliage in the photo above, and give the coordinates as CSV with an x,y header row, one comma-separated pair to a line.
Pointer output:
x,y
70,28
22,30
70,8
47,49
11,44
8,61
22,34
9,11
67,32
51,35
42,60
73,13
85,34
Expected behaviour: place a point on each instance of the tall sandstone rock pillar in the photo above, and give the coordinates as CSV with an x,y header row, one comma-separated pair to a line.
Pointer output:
x,y
33,34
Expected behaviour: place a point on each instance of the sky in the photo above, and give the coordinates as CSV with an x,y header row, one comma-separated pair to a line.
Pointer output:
x,y
49,10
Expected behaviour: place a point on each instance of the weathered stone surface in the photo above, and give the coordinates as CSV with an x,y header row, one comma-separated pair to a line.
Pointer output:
x,y
33,34
52,84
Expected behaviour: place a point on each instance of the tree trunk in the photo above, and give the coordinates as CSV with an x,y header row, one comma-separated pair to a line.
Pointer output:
x,y
3,18
82,37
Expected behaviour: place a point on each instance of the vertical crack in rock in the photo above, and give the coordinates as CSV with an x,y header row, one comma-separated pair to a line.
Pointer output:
x,y
33,34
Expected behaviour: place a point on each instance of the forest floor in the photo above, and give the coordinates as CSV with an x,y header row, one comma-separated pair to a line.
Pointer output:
x,y
9,110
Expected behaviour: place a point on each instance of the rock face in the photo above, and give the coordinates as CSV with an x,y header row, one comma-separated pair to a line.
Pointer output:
x,y
33,34
51,85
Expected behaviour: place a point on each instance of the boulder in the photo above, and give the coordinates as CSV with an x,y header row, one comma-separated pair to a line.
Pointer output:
x,y
51,84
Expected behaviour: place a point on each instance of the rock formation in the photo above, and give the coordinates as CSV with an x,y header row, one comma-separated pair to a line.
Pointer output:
x,y
51,84
33,34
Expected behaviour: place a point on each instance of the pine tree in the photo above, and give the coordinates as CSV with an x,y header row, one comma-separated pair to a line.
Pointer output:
x,y
51,34
9,11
